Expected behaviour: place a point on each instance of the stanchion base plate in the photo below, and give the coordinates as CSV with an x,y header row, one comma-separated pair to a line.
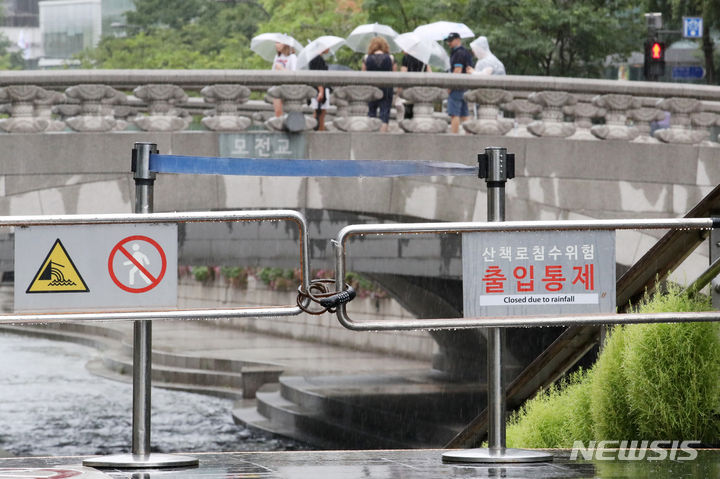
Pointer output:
x,y
131,461
504,456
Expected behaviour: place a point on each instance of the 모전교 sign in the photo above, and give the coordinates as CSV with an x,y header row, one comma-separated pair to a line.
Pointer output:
x,y
533,273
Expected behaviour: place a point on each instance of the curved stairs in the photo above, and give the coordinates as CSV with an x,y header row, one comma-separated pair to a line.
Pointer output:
x,y
227,378
364,411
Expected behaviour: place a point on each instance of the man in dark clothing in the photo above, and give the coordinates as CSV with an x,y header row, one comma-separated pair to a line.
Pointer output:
x,y
322,102
460,60
411,64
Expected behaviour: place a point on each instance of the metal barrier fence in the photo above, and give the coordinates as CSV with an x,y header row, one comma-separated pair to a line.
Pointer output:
x,y
495,169
507,322
165,218
497,452
141,455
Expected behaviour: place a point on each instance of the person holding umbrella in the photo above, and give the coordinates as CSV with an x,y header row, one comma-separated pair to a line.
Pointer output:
x,y
378,58
285,60
279,48
460,62
412,64
321,103
312,59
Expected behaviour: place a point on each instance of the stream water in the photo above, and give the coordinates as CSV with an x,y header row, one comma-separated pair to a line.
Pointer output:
x,y
51,405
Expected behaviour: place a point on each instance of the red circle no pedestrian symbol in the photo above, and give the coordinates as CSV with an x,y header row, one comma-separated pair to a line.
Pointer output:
x,y
141,264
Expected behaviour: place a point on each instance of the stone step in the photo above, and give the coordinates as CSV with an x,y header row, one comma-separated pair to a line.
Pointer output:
x,y
179,360
397,394
121,363
98,368
341,410
289,419
232,378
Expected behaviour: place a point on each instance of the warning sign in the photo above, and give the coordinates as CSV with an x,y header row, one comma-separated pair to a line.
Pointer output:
x,y
115,267
57,274
133,272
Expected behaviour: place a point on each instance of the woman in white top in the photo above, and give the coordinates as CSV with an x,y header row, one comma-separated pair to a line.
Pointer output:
x,y
285,59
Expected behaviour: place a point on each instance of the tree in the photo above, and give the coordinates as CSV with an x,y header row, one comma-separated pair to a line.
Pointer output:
x,y
306,20
9,59
557,37
182,34
709,10
406,15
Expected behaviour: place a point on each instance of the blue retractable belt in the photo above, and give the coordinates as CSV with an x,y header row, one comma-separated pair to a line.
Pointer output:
x,y
204,165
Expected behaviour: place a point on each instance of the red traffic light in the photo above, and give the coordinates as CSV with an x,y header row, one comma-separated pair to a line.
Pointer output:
x,y
656,51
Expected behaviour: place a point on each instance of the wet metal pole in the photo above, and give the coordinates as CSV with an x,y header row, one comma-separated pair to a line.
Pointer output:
x,y
142,333
496,176
496,166
141,456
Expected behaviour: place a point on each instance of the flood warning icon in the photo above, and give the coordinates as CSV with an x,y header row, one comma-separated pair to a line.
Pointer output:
x,y
57,274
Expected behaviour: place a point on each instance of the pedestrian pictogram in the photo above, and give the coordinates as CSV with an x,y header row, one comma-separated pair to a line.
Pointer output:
x,y
57,274
137,273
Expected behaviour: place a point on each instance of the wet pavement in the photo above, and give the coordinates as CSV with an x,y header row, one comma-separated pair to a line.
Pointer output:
x,y
415,464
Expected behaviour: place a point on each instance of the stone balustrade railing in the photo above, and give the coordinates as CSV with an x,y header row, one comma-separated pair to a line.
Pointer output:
x,y
522,106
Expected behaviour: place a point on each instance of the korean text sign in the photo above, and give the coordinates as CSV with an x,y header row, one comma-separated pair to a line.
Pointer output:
x,y
533,273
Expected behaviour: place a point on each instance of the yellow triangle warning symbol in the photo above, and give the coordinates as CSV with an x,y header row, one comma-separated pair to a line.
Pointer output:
x,y
58,274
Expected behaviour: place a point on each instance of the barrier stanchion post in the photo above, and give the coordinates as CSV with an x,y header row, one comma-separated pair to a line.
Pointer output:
x,y
496,166
141,456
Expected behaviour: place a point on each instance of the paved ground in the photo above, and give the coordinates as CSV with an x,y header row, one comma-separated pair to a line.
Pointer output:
x,y
415,464
295,356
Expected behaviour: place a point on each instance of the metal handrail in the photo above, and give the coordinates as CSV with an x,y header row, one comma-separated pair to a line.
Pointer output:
x,y
187,217
465,227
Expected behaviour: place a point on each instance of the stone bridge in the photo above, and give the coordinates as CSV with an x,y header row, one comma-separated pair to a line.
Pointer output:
x,y
584,149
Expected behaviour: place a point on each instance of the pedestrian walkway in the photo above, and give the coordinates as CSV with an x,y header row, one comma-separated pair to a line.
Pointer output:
x,y
185,348
417,464
296,357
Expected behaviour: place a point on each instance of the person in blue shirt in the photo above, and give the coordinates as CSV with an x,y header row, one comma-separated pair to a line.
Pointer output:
x,y
460,62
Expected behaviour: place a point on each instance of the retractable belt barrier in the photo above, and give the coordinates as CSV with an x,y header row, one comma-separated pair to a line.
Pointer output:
x,y
203,165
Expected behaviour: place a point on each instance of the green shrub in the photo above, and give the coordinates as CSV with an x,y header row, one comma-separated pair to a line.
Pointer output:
x,y
555,417
651,381
672,372
610,411
201,273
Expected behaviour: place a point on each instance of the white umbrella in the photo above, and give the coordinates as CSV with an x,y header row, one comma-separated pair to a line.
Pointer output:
x,y
264,44
359,39
316,47
439,30
427,51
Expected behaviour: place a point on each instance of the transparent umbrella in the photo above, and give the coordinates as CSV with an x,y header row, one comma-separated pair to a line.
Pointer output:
x,y
439,30
264,44
359,39
316,47
427,51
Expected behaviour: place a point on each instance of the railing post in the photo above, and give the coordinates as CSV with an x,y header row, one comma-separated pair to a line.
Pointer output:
x,y
142,330
141,455
496,167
